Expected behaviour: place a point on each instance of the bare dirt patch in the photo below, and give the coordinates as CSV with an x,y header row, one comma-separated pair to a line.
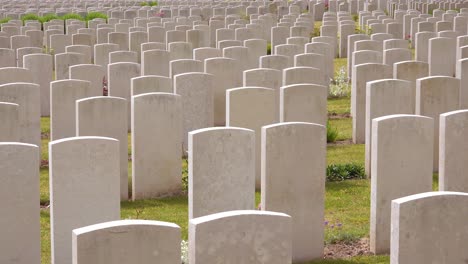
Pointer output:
x,y
342,250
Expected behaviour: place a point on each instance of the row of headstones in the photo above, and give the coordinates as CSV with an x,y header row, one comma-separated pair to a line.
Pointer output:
x,y
427,96
288,96
402,158
85,171
204,9
94,164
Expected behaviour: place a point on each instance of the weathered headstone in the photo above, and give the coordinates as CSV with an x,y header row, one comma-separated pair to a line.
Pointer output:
x,y
401,165
63,95
438,217
83,171
20,223
252,108
137,239
104,116
285,149
228,175
452,146
436,95
255,235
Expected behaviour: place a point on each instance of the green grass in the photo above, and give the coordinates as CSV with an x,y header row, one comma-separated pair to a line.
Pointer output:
x,y
344,127
45,125
345,154
347,203
339,106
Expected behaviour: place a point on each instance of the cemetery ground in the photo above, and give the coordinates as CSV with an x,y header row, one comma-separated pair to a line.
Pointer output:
x,y
347,202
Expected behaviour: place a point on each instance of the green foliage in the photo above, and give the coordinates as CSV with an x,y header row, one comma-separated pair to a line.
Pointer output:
x,y
149,3
332,133
5,20
48,18
355,18
358,30
316,32
93,15
347,171
269,48
30,17
72,16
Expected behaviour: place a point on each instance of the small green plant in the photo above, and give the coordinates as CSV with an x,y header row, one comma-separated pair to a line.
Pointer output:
x,y
149,3
340,86
316,32
332,133
269,48
30,17
93,15
358,30
48,18
72,16
347,171
355,18
5,20
185,178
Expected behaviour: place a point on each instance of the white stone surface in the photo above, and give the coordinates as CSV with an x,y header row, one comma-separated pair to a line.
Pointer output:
x,y
303,103
401,159
9,116
244,236
385,97
26,96
126,241
436,95
452,151
40,66
19,190
156,145
84,188
438,217
252,108
221,170
103,116
297,150
63,95
197,92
